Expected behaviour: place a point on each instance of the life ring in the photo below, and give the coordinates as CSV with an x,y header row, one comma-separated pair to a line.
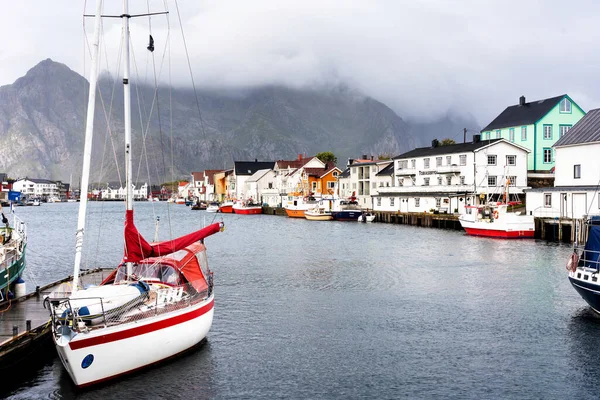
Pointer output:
x,y
572,263
496,214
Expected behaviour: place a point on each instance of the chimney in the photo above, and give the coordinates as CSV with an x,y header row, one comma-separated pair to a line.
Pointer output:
x,y
364,157
256,160
371,158
300,157
522,100
476,138
434,143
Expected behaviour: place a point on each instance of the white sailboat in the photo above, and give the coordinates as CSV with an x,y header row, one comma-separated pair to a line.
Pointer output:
x,y
156,304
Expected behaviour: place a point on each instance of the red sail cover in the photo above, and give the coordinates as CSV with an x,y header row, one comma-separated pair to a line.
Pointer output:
x,y
137,248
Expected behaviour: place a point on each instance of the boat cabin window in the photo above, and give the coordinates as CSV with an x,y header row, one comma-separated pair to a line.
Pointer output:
x,y
151,272
203,261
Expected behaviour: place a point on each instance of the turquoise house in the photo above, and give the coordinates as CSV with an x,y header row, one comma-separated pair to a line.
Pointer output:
x,y
536,125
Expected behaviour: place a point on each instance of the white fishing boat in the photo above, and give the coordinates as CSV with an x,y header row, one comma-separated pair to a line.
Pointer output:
x,y
366,217
318,214
212,207
156,304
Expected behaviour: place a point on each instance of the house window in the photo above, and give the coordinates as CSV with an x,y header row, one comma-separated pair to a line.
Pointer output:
x,y
270,185
374,185
548,132
511,160
400,181
448,180
565,106
547,155
547,200
498,134
335,174
330,185
491,160
413,164
577,171
523,133
462,180
426,182
438,161
417,202
491,181
511,134
438,202
463,159
512,180
391,201
439,180
448,160
426,163
563,129
379,202
314,186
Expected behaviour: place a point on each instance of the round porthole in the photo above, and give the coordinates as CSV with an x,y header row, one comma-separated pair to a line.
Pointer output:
x,y
87,361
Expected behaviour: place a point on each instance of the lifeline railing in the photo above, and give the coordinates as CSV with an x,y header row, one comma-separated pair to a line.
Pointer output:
x,y
65,311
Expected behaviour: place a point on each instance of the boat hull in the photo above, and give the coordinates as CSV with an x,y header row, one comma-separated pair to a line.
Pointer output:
x,y
498,233
98,355
247,210
9,275
298,213
346,215
589,291
226,209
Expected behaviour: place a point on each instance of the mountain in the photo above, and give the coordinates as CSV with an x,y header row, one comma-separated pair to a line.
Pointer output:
x,y
42,124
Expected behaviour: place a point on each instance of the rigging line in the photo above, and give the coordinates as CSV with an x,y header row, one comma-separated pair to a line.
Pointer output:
x,y
190,68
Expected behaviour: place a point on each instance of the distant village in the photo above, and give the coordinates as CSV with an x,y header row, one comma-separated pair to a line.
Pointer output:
x,y
543,152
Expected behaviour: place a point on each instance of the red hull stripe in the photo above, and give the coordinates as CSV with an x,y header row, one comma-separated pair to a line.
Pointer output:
x,y
141,330
248,211
500,234
226,209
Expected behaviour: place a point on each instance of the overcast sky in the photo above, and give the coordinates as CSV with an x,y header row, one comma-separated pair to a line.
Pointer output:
x,y
420,57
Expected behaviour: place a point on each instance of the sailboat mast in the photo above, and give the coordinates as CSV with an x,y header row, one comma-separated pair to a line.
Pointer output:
x,y
87,149
127,116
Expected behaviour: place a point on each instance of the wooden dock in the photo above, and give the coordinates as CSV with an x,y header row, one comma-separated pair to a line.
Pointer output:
x,y
24,327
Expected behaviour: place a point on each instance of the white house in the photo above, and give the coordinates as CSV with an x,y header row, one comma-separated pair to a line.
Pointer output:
x,y
36,188
261,188
446,178
139,193
203,185
362,181
290,176
576,190
242,171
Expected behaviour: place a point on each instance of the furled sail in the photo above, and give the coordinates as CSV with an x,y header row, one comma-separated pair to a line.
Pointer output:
x,y
137,248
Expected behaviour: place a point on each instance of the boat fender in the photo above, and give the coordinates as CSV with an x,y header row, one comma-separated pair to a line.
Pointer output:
x,y
572,263
496,214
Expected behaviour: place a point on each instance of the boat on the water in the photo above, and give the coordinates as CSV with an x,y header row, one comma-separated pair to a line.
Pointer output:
x,y
247,207
212,207
297,205
226,207
318,214
346,210
157,303
584,263
13,243
366,217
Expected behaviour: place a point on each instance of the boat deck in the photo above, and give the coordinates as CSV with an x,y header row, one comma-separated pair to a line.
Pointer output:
x,y
30,308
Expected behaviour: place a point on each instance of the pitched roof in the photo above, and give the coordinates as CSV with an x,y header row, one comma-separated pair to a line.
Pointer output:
x,y
448,149
345,173
300,162
320,171
526,114
389,170
258,175
249,167
587,130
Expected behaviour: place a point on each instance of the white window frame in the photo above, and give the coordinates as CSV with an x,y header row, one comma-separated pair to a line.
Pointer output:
x,y
492,181
439,181
565,106
463,159
392,202
426,163
438,161
425,181
448,160
379,202
511,134
498,134
511,160
523,133
492,159
547,132
577,171
547,199
417,202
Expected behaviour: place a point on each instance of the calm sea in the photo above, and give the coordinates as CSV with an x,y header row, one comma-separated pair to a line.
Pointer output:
x,y
320,310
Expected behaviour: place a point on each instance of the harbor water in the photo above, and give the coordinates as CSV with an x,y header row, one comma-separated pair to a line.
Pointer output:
x,y
343,310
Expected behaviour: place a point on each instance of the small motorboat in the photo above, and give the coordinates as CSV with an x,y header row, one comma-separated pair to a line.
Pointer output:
x,y
213,207
366,217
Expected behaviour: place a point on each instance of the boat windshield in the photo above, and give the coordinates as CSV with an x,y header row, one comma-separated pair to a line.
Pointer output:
x,y
151,272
